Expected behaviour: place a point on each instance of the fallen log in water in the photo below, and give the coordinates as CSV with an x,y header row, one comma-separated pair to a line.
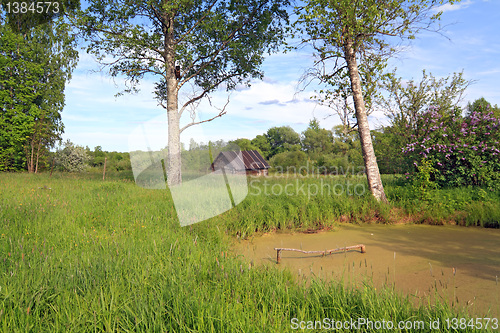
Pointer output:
x,y
347,248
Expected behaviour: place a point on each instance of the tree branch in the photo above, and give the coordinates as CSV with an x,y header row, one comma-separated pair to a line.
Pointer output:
x,y
205,92
220,114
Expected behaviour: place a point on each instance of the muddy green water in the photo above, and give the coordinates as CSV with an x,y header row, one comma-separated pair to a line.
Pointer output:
x,y
418,259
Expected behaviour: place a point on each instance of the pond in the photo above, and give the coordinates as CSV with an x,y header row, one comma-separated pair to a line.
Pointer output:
x,y
458,264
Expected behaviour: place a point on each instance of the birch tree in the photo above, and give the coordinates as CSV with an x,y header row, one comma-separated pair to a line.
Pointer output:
x,y
202,43
352,40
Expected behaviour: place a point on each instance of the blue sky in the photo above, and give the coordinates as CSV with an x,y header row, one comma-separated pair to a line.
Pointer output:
x,y
93,116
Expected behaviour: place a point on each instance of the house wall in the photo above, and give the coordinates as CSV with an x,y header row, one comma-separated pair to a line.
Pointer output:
x,y
262,172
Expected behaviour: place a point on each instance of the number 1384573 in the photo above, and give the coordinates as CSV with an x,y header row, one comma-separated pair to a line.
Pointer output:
x,y
37,7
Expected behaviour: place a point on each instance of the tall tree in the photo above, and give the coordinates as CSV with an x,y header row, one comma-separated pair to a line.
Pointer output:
x,y
35,65
282,139
18,92
356,34
316,141
54,48
205,43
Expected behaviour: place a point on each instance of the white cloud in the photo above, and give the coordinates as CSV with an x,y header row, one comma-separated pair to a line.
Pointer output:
x,y
447,7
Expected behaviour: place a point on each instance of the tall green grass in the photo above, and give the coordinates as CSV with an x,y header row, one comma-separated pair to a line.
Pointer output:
x,y
94,256
269,206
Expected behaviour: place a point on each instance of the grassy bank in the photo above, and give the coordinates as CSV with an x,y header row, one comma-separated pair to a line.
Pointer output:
x,y
85,255
315,203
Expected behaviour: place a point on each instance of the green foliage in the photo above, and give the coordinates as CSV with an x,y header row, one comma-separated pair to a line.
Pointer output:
x,y
34,68
481,105
464,151
72,158
321,151
244,144
261,142
212,42
37,13
290,161
316,141
200,43
405,103
387,144
19,84
333,27
282,139
421,181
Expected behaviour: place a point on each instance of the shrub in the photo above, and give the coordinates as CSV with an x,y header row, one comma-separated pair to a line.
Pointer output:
x,y
462,151
72,158
290,161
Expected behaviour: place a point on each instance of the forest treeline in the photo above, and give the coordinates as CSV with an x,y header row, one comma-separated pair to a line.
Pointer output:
x,y
457,148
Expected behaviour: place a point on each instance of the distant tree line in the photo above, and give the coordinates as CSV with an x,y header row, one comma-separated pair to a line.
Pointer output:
x,y
424,126
459,147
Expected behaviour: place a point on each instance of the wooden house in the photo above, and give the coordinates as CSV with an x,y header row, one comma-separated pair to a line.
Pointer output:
x,y
248,162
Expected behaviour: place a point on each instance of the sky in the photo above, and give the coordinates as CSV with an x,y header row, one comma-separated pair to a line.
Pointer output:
x,y
93,116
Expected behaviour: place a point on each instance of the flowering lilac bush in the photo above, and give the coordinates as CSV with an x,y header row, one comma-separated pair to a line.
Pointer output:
x,y
462,151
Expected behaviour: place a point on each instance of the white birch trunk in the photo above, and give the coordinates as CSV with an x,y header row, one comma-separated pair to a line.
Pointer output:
x,y
371,166
174,147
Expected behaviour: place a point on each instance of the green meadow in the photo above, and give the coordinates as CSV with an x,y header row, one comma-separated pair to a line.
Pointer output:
x,y
78,254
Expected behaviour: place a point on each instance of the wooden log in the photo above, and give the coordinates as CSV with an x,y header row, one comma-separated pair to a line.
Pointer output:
x,y
347,248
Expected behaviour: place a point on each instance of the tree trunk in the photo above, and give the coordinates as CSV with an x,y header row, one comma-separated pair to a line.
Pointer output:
x,y
37,156
174,146
371,166
31,155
